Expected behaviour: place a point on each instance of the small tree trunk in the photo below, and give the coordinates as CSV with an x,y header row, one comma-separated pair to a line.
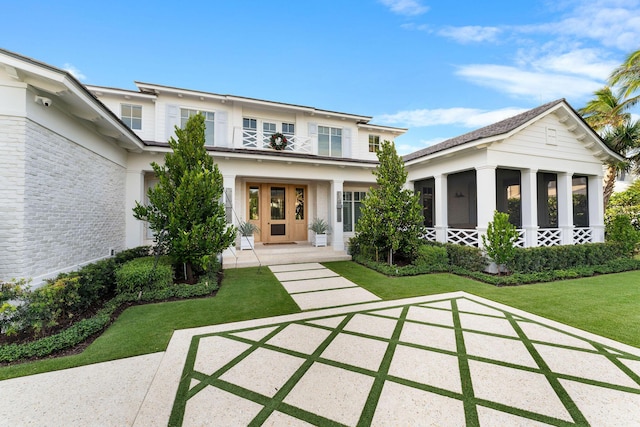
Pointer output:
x,y
609,182
189,271
390,256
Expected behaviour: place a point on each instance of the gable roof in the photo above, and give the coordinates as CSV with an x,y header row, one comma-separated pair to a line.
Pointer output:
x,y
495,129
506,126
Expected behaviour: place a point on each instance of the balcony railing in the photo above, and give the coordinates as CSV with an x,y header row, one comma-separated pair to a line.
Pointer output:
x,y
258,140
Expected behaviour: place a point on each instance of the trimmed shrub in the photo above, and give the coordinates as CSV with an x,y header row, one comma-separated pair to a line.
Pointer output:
x,y
59,299
532,260
97,281
466,257
129,254
431,256
144,274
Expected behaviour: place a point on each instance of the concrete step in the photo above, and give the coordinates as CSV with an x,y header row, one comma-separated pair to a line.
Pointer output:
x,y
282,254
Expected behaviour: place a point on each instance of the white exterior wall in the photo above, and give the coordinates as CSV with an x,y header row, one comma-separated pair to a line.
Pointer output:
x,y
62,187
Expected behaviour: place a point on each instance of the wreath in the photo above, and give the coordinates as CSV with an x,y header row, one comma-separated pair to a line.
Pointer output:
x,y
278,141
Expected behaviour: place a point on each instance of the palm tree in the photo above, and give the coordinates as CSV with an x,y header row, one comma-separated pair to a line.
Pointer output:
x,y
605,109
627,76
606,114
624,139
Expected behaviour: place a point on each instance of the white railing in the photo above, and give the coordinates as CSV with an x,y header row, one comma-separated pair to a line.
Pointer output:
x,y
549,237
462,236
429,234
243,138
582,235
520,241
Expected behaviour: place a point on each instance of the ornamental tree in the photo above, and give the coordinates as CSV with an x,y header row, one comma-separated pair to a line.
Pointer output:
x,y
184,210
391,218
499,242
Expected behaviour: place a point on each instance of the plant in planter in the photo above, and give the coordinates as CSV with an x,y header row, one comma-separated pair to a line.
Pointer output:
x,y
320,227
246,230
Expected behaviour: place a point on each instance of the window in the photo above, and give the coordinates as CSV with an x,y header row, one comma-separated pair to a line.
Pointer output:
x,y
329,141
288,129
351,205
547,200
185,113
374,143
131,115
508,194
426,188
254,203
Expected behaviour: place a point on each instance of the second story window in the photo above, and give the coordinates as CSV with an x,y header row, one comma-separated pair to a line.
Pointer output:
x,y
329,141
131,115
288,128
209,123
374,143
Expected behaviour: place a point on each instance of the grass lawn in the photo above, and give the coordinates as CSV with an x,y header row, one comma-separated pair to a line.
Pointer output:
x,y
607,305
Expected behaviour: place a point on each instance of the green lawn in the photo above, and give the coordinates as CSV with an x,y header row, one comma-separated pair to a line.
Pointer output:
x,y
607,305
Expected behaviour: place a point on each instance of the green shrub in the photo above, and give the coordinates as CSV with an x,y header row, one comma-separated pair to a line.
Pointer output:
x,y
620,230
500,239
58,299
430,255
532,260
466,257
97,281
395,270
129,254
144,273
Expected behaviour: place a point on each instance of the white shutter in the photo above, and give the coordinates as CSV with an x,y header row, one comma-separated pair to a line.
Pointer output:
x,y
346,142
172,120
221,139
313,129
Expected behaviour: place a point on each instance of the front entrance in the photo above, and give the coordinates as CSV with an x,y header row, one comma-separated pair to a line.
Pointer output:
x,y
279,210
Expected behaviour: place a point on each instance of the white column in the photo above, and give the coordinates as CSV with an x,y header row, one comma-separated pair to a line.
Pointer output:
x,y
335,215
441,221
134,192
565,206
486,198
596,208
529,205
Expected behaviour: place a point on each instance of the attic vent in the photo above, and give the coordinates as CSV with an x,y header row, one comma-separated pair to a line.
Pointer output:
x,y
551,136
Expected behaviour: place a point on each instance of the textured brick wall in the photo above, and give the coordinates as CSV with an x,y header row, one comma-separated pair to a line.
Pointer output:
x,y
73,205
12,177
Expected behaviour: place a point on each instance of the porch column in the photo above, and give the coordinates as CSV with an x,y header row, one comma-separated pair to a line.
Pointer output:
x,y
596,208
335,215
529,206
134,190
486,198
565,206
441,221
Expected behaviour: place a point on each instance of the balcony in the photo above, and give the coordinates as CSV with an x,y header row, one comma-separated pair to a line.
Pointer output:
x,y
258,140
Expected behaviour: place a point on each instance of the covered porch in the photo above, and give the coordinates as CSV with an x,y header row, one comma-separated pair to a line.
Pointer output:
x,y
547,207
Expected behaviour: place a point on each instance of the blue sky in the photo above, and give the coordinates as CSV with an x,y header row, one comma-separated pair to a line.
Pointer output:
x,y
439,68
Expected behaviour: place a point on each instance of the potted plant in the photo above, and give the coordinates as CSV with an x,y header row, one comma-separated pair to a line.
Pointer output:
x,y
246,230
320,227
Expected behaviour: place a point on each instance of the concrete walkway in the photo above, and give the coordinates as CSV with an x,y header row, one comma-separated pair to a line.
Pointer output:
x,y
451,359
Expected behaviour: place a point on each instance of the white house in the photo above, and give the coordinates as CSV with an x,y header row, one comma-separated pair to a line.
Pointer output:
x,y
75,159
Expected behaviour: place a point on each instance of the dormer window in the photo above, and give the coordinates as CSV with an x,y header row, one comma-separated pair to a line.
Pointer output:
x,y
374,143
131,115
209,123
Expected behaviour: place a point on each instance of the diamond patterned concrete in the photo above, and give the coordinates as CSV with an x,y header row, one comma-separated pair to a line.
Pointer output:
x,y
451,359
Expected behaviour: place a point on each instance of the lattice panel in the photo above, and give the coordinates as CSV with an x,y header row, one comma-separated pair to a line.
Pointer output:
x,y
582,235
462,237
549,237
260,140
519,243
429,234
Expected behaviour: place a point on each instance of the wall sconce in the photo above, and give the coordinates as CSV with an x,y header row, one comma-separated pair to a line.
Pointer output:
x,y
458,195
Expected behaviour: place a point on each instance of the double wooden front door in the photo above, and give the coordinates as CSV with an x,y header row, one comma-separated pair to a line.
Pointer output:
x,y
279,210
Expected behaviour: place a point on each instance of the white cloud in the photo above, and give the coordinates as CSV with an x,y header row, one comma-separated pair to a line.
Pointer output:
x,y
405,7
74,71
591,63
541,85
471,33
416,27
466,117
